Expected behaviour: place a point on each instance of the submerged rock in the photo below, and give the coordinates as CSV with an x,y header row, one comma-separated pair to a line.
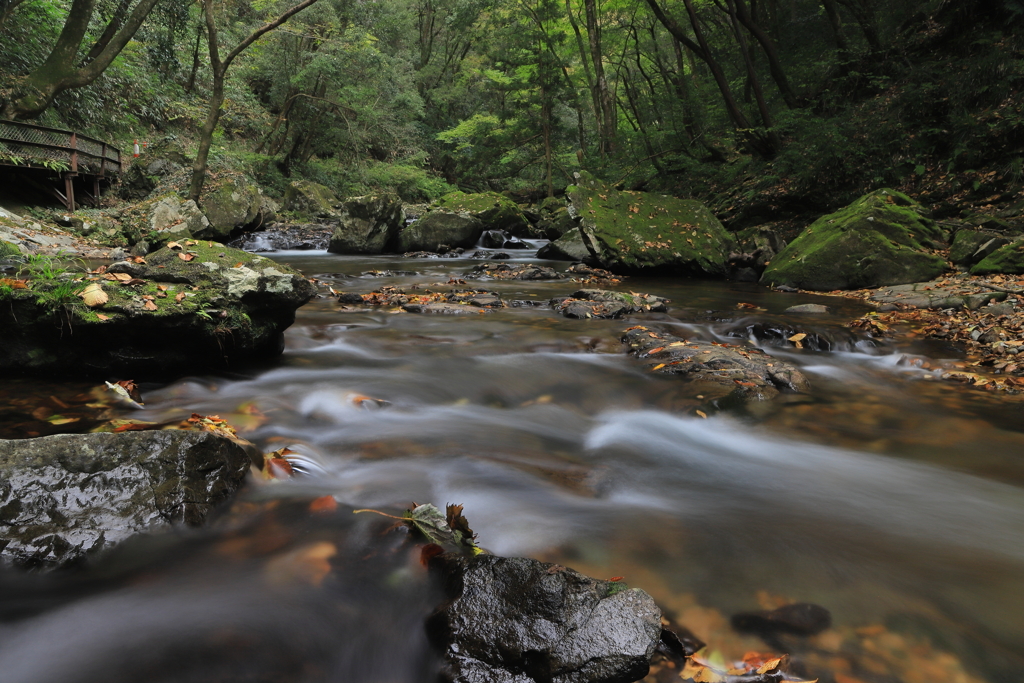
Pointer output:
x,y
65,496
880,239
198,306
517,620
723,373
640,231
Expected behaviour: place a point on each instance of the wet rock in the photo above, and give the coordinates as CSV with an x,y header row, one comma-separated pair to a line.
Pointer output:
x,y
453,253
492,239
200,306
568,247
508,271
519,620
66,496
388,273
285,237
800,619
426,301
777,333
815,309
368,225
589,275
880,239
556,224
600,303
444,309
639,231
311,200
1008,259
725,374
936,295
348,298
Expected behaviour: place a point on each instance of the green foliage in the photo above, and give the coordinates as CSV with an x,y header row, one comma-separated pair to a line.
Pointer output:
x,y
411,183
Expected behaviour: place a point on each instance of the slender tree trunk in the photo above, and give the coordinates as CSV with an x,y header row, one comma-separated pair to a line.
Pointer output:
x,y
604,96
195,60
762,106
771,52
584,58
832,12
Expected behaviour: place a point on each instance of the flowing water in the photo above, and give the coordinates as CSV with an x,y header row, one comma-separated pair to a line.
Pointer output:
x,y
885,495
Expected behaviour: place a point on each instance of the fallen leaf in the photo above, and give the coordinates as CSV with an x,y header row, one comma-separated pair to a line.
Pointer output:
x,y
323,504
174,245
178,297
93,295
102,317
798,337
13,283
149,306
702,414
186,257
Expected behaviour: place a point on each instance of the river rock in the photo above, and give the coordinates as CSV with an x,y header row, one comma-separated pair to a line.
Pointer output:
x,y
936,294
880,239
517,620
311,200
639,231
66,496
445,309
813,309
1007,259
232,203
516,271
494,211
440,230
568,247
778,333
554,225
368,225
165,317
724,374
602,303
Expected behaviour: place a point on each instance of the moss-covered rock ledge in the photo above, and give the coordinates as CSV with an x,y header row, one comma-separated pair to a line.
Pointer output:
x,y
193,306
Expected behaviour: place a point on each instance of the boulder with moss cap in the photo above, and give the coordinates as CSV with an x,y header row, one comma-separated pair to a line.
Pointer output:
x,y
883,238
196,307
635,232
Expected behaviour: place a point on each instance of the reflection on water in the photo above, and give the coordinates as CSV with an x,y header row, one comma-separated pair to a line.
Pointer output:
x,y
884,495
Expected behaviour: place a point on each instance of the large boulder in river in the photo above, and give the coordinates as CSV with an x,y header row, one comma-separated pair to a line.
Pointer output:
x,y
880,239
65,496
368,225
440,227
1008,259
517,620
631,232
494,211
196,307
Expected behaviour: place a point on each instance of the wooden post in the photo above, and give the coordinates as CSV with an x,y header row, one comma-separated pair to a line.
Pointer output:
x,y
69,190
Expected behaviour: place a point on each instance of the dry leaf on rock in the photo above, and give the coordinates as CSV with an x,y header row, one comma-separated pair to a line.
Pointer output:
x,y
93,295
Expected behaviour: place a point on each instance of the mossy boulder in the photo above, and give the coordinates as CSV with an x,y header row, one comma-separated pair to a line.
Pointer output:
x,y
158,220
197,307
633,232
311,200
971,246
8,250
440,227
231,203
555,224
1007,259
881,239
368,225
494,211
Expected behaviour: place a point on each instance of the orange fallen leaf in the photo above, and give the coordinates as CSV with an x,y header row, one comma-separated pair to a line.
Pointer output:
x,y
149,306
323,504
178,297
102,317
186,257
93,295
13,283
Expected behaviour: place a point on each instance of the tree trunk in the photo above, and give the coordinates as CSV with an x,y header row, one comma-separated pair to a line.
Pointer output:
x,y
604,97
832,12
770,51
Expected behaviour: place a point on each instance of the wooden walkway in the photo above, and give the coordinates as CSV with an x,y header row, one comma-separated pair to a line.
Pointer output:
x,y
61,152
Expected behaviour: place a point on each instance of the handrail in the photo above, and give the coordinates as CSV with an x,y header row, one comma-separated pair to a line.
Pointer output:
x,y
42,142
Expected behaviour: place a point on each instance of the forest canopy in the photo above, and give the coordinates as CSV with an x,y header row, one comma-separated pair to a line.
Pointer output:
x,y
421,96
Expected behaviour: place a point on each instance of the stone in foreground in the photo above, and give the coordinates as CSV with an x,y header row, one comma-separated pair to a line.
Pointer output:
x,y
602,303
723,373
195,307
880,239
517,620
936,295
63,497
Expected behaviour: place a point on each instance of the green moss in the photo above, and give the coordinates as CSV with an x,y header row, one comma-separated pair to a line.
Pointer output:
x,y
8,250
1006,259
878,240
634,231
493,210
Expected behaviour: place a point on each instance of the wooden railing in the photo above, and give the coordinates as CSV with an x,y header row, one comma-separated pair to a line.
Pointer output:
x,y
25,145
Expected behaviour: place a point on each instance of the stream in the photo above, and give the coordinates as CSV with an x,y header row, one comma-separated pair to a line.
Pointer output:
x,y
887,496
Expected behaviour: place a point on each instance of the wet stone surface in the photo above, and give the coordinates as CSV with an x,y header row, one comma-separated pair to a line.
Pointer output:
x,y
600,303
518,271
